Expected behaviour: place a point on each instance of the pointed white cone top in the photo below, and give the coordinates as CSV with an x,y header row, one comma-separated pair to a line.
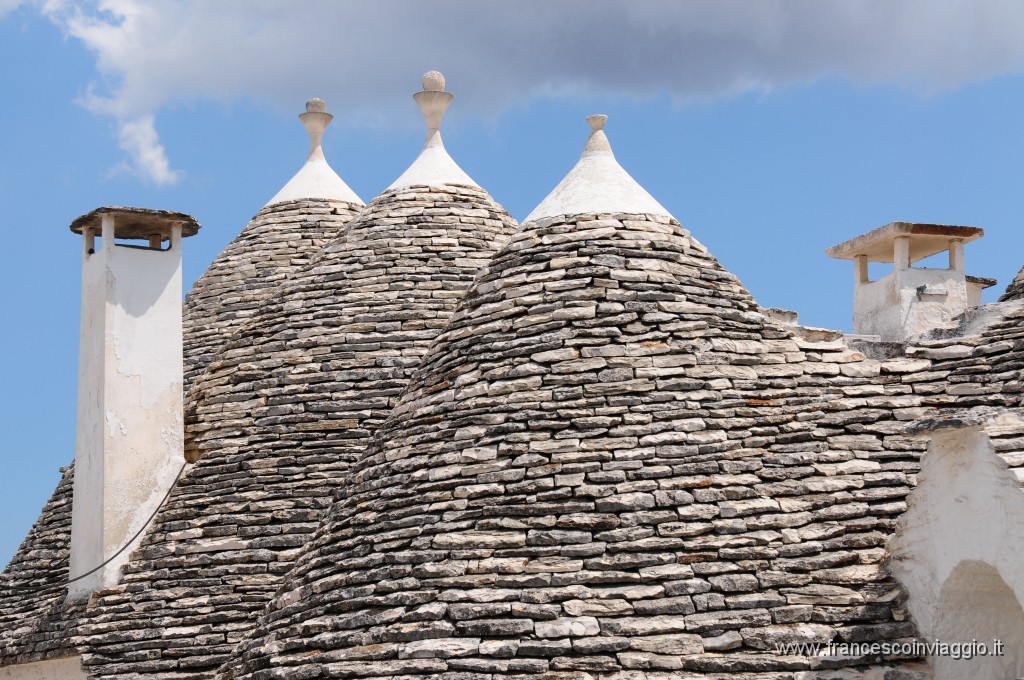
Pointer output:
x,y
316,179
597,184
433,167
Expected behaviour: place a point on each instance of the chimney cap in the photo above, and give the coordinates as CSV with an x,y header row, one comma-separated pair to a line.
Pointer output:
x,y
137,223
925,240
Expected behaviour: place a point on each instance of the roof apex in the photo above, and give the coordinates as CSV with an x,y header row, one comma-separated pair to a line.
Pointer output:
x,y
433,167
597,184
315,179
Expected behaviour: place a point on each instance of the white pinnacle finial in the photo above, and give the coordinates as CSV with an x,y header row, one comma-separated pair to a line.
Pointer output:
x,y
315,119
316,179
598,141
434,167
433,102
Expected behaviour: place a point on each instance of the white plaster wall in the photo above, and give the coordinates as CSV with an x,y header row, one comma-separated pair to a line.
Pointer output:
x,y
130,428
67,668
974,292
967,513
890,307
875,308
86,521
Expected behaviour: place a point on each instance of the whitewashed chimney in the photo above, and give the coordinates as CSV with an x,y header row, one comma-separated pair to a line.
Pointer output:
x,y
910,300
129,441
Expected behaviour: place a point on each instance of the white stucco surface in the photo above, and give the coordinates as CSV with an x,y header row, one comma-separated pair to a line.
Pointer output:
x,y
433,167
597,184
316,178
130,426
67,668
893,308
958,552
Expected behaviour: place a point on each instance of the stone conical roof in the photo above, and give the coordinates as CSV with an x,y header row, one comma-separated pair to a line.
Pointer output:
x,y
309,211
280,415
609,463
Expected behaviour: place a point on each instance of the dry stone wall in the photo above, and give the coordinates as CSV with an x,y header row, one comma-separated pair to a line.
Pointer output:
x,y
276,420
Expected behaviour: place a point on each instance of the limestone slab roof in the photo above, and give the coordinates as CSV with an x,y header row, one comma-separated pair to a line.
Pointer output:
x,y
1015,291
279,416
281,239
645,474
35,622
925,240
611,461
600,458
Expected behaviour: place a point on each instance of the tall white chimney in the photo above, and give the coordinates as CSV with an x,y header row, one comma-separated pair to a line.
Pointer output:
x,y
129,442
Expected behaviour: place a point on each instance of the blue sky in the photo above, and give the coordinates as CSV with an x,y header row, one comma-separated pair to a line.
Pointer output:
x,y
771,130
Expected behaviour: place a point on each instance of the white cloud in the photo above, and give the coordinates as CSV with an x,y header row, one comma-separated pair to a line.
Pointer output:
x,y
139,140
364,57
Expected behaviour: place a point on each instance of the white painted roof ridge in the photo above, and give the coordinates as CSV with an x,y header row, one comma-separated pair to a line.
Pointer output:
x,y
597,184
433,167
315,179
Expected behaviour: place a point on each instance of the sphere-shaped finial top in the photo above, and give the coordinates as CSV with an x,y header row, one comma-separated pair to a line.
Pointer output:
x,y
316,105
433,81
597,121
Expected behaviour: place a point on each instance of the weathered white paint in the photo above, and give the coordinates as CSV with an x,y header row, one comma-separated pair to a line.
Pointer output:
x,y
66,668
908,302
129,443
316,178
433,167
597,184
958,551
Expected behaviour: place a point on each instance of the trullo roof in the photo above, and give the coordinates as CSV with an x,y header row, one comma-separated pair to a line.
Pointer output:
x,y
610,462
280,415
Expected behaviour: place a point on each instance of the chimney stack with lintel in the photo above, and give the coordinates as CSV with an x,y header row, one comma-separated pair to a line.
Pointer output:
x,y
129,442
910,300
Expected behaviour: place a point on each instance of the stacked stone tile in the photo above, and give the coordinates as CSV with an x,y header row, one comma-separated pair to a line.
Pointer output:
x,y
310,210
610,464
35,623
280,239
1015,291
279,416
